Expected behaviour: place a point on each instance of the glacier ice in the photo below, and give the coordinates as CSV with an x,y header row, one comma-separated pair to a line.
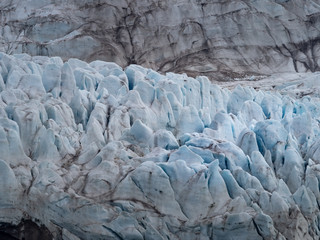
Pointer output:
x,y
94,151
214,38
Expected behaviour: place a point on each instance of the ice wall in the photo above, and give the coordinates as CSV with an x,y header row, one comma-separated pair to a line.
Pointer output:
x,y
94,151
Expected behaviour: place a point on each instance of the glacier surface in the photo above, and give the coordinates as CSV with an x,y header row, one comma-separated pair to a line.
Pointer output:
x,y
94,151
201,37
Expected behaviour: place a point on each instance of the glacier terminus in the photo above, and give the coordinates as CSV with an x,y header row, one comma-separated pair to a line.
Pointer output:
x,y
95,151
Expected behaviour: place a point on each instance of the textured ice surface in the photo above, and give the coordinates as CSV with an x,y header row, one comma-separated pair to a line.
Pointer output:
x,y
93,151
214,38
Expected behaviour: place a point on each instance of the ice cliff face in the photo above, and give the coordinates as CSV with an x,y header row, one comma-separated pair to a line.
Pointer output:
x,y
213,38
92,151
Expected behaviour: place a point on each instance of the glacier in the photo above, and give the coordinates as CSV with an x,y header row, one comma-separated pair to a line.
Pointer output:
x,y
215,38
95,151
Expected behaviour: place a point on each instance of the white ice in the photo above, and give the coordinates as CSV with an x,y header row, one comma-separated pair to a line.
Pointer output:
x,y
98,152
